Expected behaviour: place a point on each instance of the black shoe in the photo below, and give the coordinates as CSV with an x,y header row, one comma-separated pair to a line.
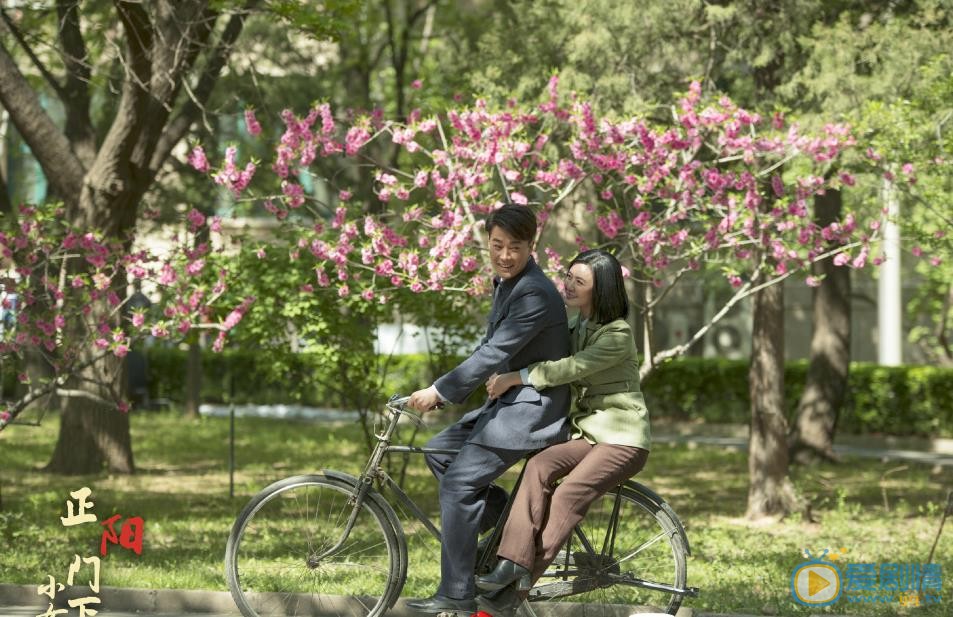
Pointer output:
x,y
506,573
442,604
501,603
491,561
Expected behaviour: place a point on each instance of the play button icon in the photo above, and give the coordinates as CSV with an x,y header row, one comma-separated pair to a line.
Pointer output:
x,y
816,583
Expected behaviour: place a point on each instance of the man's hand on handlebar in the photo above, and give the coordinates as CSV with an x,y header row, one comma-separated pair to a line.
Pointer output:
x,y
425,400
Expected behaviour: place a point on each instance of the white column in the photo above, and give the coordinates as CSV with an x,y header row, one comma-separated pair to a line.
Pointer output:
x,y
890,302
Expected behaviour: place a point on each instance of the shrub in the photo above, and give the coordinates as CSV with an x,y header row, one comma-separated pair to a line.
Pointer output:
x,y
903,400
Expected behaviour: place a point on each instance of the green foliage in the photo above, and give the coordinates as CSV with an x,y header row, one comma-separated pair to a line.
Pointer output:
x,y
182,492
246,376
904,400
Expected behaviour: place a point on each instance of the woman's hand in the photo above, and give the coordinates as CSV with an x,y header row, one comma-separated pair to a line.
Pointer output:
x,y
497,384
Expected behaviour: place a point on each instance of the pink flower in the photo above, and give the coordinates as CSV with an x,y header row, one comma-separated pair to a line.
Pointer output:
x,y
343,290
367,295
196,219
777,185
917,251
841,259
251,123
344,195
355,139
77,282
121,351
386,179
5,417
184,326
219,343
195,267
198,160
159,331
416,84
260,253
167,276
813,281
123,406
138,319
935,261
518,198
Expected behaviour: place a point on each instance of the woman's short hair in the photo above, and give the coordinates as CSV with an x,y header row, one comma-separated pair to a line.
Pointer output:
x,y
609,300
518,221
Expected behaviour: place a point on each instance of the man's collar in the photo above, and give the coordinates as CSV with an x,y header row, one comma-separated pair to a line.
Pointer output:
x,y
497,281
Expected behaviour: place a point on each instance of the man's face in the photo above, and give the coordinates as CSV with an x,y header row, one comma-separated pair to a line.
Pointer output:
x,y
507,254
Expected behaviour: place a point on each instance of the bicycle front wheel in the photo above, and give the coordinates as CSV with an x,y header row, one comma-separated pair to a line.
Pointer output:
x,y
277,561
628,554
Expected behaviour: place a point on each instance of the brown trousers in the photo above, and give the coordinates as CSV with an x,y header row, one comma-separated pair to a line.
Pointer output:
x,y
543,514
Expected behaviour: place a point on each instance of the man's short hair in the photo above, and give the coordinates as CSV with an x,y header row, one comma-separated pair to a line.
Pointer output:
x,y
518,221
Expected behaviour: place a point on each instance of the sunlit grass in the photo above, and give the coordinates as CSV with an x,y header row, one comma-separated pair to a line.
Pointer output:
x,y
182,491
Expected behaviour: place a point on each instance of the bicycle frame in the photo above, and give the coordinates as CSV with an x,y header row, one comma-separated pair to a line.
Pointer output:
x,y
373,472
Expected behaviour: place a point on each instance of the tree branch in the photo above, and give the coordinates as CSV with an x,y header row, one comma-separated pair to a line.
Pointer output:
x,y
134,98
48,144
49,77
179,126
75,93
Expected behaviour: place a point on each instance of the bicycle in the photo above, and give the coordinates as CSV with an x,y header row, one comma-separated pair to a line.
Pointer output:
x,y
331,543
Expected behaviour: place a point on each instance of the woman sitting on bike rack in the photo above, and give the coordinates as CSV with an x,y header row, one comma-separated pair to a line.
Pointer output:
x,y
610,426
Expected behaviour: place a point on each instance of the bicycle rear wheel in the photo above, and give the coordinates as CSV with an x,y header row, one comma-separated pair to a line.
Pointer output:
x,y
275,561
643,567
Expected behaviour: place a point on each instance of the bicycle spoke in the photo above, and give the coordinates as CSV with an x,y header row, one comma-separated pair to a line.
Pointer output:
x,y
279,566
644,540
642,547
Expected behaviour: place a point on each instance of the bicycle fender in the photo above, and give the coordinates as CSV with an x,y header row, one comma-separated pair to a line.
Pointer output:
x,y
652,495
377,498
372,492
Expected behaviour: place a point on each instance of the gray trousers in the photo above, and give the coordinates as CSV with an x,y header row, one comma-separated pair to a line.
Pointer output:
x,y
468,504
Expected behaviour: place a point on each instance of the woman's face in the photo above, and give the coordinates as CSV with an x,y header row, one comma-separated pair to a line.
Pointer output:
x,y
579,288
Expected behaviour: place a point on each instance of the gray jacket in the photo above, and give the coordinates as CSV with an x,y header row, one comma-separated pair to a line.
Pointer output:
x,y
527,324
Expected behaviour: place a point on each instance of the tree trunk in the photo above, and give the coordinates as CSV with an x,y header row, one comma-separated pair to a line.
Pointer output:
x,y
93,433
770,492
193,379
820,404
102,185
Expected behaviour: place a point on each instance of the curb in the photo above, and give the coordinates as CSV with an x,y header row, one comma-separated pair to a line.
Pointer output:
x,y
180,601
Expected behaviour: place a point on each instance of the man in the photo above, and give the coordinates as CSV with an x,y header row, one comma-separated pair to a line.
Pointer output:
x,y
526,324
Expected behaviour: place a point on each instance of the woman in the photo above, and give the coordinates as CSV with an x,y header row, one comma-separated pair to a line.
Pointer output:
x,y
610,435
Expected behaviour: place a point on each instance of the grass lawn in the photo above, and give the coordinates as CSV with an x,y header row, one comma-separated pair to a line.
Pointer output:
x,y
181,491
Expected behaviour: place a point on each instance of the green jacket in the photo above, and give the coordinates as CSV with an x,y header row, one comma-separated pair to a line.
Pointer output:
x,y
604,373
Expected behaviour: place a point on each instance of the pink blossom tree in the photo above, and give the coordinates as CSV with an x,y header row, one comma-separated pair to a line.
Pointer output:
x,y
713,186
